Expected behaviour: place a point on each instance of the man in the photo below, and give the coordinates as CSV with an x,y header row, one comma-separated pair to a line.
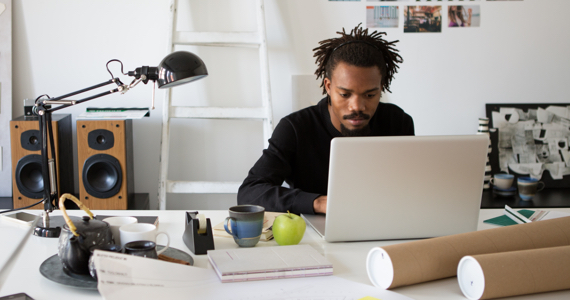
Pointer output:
x,y
356,68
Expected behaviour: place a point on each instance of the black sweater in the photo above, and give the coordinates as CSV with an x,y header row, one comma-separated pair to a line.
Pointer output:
x,y
299,152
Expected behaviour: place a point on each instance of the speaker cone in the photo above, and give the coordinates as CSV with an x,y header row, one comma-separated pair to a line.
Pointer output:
x,y
102,176
29,176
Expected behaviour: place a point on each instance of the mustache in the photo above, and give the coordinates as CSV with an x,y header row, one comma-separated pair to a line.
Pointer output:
x,y
356,115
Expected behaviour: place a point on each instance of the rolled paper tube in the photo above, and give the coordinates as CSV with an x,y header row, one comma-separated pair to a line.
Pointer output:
x,y
506,274
430,259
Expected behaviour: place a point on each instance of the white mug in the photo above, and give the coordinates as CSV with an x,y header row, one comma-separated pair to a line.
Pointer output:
x,y
502,181
141,232
115,223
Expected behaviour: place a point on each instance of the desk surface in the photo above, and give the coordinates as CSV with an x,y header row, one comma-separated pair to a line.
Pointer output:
x,y
547,198
22,273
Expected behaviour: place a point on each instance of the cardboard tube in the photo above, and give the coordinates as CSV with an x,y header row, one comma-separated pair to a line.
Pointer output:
x,y
425,260
506,274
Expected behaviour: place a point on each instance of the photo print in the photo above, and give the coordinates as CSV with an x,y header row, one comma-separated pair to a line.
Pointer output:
x,y
422,19
531,140
464,15
445,0
382,16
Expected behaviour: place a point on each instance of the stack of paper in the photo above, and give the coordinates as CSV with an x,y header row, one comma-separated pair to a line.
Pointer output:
x,y
263,263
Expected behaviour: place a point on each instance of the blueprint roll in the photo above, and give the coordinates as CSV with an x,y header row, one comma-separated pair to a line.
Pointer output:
x,y
430,259
506,274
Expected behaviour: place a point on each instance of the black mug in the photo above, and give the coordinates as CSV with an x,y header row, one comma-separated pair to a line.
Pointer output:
x,y
143,249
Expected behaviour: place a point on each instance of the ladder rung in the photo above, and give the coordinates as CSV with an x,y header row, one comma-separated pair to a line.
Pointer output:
x,y
218,112
217,38
202,187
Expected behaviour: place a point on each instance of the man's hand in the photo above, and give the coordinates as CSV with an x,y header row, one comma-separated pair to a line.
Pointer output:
x,y
320,205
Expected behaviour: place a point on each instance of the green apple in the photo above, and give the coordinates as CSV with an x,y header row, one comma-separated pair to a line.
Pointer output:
x,y
288,229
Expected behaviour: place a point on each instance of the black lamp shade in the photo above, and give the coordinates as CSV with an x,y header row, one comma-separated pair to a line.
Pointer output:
x,y
180,67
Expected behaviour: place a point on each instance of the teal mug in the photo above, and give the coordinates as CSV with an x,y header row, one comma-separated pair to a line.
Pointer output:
x,y
245,224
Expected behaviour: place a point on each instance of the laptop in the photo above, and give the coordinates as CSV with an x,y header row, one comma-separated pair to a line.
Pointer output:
x,y
404,187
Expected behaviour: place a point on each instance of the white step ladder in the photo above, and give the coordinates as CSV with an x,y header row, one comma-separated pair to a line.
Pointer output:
x,y
255,39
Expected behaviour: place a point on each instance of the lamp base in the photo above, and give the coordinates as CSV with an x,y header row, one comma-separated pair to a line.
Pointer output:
x,y
54,229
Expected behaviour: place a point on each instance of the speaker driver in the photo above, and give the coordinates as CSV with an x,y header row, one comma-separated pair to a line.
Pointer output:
x,y
29,176
30,140
102,176
101,139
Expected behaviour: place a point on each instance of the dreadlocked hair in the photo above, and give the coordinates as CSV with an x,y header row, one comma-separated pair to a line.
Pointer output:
x,y
359,49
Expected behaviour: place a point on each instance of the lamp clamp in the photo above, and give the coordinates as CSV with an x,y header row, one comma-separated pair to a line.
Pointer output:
x,y
145,73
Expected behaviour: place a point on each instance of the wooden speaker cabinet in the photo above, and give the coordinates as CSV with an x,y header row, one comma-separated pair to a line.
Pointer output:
x,y
105,162
27,182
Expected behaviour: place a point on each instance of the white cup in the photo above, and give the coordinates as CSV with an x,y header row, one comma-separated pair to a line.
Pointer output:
x,y
141,232
115,223
503,181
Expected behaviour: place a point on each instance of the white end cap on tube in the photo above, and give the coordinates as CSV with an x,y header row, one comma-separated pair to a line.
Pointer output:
x,y
471,278
380,268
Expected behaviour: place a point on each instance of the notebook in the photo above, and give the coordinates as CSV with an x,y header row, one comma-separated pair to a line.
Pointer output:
x,y
407,187
261,263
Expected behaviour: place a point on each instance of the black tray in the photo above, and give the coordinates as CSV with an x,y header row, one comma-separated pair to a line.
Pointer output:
x,y
52,269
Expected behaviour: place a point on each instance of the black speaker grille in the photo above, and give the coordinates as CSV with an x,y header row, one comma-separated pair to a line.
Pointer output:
x,y
29,176
102,176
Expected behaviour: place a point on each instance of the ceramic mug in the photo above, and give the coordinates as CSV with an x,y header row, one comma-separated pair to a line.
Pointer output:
x,y
245,224
528,187
143,249
502,181
141,232
115,223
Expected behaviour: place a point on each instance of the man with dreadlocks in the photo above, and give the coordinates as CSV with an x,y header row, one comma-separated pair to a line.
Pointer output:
x,y
356,68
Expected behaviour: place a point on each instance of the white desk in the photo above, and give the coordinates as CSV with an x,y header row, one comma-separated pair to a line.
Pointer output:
x,y
22,274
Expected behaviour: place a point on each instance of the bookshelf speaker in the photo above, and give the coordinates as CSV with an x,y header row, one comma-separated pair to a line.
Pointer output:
x,y
27,182
105,161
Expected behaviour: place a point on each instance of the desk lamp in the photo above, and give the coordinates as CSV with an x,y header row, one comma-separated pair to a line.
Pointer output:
x,y
175,69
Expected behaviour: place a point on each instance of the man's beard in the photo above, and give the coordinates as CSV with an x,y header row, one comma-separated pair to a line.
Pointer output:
x,y
364,131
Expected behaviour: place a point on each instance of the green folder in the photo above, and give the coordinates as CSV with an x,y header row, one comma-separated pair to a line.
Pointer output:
x,y
506,221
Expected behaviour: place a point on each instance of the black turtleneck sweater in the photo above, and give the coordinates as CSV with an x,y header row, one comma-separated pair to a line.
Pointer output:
x,y
299,153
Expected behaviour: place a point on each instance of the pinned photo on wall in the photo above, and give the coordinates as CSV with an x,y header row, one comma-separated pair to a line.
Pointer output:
x,y
382,16
447,0
464,15
422,19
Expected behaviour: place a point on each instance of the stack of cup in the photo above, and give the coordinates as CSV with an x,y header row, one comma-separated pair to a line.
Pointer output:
x,y
136,238
484,129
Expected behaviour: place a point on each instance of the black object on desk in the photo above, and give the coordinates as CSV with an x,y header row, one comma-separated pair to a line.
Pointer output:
x,y
551,197
198,243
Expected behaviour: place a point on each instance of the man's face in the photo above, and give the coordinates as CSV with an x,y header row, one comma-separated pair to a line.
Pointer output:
x,y
355,94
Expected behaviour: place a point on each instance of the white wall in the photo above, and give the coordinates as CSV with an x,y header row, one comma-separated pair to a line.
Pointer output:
x,y
519,54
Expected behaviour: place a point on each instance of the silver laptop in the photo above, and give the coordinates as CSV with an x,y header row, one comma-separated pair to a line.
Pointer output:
x,y
406,187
